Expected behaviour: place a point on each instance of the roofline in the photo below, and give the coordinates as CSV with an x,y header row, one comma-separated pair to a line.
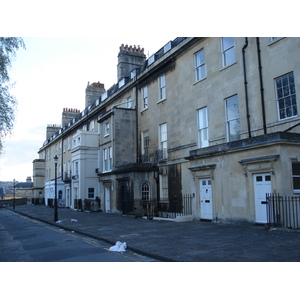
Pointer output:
x,y
135,82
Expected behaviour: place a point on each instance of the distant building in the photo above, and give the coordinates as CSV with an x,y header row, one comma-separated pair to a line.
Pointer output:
x,y
214,118
24,189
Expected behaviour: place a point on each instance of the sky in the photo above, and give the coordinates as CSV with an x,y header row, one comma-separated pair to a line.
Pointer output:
x,y
51,74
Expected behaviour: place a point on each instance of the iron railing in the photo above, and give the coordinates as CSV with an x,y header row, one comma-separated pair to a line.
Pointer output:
x,y
164,208
145,158
161,154
88,205
283,211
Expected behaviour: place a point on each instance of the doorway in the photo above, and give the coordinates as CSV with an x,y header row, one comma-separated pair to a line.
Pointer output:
x,y
262,186
206,207
127,203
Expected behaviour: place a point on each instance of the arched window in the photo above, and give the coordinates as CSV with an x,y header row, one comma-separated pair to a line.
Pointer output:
x,y
60,194
146,191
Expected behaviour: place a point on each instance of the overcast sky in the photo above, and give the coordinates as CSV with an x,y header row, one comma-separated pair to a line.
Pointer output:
x,y
53,73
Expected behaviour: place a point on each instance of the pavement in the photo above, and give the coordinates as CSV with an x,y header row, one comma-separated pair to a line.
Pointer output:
x,y
163,240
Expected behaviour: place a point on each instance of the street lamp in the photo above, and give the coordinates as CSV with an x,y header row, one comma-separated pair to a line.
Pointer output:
x,y
55,185
14,202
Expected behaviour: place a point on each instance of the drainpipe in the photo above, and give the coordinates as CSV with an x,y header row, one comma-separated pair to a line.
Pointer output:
x,y
62,155
261,85
246,88
136,124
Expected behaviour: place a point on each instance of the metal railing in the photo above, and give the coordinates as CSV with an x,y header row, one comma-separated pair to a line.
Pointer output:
x,y
173,207
283,211
145,158
88,205
165,208
161,154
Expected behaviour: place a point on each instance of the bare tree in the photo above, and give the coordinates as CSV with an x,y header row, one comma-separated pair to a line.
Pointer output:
x,y
8,103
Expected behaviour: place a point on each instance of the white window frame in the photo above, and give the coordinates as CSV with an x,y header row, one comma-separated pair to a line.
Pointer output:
x,y
128,102
145,97
163,186
76,168
106,128
109,158
105,160
231,118
202,127
286,96
163,140
225,51
162,88
92,125
199,65
163,134
145,145
146,191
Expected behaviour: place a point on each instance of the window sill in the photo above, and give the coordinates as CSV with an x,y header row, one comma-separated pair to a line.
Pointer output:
x,y
226,67
161,100
144,109
200,80
106,171
106,135
287,118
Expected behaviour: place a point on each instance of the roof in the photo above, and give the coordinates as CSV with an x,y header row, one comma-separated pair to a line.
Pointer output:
x,y
24,185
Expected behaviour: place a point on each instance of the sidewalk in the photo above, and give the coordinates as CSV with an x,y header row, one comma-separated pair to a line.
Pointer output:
x,y
171,241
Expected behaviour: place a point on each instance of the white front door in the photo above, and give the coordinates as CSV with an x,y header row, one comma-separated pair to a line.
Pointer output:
x,y
262,186
107,198
206,208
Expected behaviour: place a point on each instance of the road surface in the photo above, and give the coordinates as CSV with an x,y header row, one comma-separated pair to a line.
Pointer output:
x,y
26,240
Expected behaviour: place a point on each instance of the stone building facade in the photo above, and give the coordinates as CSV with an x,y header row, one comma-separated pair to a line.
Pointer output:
x,y
215,118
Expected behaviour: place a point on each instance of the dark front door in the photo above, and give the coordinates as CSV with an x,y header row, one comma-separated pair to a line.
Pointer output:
x,y
127,203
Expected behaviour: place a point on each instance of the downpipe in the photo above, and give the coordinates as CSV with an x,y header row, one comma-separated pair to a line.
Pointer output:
x,y
246,87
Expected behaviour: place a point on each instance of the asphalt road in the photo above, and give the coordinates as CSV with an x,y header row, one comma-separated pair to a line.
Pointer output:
x,y
27,240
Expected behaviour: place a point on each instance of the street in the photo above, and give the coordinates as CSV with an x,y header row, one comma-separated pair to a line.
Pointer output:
x,y
26,240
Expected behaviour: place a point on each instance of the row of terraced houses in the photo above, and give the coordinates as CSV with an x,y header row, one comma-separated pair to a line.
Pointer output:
x,y
206,125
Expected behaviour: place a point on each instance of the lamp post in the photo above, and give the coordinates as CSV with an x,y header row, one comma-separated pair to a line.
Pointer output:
x,y
55,190
14,202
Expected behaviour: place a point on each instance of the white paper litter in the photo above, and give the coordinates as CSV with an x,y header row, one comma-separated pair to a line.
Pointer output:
x,y
74,220
58,222
120,247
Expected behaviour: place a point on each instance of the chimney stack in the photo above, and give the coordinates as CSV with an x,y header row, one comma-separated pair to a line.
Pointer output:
x,y
93,92
68,114
129,58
